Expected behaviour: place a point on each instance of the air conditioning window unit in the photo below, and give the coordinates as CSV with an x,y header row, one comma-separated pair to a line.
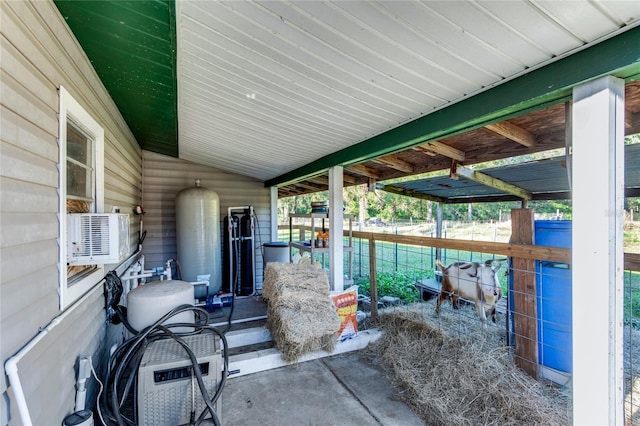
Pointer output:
x,y
97,238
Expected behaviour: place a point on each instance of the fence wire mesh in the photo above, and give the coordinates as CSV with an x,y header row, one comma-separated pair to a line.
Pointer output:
x,y
537,326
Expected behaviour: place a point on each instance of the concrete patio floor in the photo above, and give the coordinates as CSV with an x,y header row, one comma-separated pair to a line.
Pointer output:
x,y
345,389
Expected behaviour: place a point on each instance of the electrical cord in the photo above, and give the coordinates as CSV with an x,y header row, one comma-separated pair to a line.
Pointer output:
x,y
95,376
121,379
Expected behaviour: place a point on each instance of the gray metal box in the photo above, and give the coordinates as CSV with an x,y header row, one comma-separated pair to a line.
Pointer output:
x,y
165,385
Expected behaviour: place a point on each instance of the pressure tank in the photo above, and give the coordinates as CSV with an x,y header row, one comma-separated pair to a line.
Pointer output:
x,y
198,237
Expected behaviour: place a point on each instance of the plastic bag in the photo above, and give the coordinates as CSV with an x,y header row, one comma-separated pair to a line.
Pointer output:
x,y
346,303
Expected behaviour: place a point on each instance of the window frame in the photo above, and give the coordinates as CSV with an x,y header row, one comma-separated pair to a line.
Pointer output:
x,y
71,109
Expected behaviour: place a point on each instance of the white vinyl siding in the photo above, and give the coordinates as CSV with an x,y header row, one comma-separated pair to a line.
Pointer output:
x,y
39,54
74,117
165,176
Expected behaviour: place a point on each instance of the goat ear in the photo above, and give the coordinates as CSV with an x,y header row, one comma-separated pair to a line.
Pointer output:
x,y
495,267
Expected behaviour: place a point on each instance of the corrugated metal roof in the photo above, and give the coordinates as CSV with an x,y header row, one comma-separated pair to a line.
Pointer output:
x,y
545,179
275,84
265,88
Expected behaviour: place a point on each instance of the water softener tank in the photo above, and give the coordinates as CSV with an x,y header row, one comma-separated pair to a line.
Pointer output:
x,y
198,237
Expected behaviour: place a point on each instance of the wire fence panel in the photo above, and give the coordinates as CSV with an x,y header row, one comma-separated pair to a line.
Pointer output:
x,y
632,347
533,317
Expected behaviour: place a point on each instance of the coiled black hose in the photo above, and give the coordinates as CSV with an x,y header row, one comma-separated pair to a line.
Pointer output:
x,y
123,365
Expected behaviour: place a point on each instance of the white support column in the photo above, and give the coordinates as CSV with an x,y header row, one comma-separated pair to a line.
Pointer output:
x,y
598,191
273,212
336,245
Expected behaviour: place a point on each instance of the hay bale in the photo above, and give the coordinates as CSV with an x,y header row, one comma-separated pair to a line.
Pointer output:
x,y
301,316
279,277
462,380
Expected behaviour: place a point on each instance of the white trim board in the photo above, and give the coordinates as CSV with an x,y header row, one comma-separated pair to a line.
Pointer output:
x,y
248,336
257,361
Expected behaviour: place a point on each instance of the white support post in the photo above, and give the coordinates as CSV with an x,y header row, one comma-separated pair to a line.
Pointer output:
x,y
273,210
597,254
336,245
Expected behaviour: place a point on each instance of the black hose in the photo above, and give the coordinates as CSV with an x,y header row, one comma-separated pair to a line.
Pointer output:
x,y
216,396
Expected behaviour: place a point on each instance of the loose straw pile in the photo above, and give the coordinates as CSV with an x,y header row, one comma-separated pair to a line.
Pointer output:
x,y
468,380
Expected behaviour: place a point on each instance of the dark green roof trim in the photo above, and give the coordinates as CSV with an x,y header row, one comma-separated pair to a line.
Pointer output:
x,y
132,46
619,56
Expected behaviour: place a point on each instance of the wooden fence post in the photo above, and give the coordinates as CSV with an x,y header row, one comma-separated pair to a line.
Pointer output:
x,y
525,317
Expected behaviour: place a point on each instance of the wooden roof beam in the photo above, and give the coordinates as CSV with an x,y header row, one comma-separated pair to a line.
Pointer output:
x,y
513,132
632,122
324,180
410,193
288,191
347,179
395,163
490,181
320,180
364,171
437,147
308,185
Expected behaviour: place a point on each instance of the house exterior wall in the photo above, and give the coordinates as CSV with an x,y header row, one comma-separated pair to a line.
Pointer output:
x,y
165,176
39,53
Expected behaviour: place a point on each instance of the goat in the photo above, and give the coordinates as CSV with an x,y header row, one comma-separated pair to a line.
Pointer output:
x,y
471,281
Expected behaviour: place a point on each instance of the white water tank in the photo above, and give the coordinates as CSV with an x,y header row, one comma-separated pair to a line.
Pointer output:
x,y
198,236
148,303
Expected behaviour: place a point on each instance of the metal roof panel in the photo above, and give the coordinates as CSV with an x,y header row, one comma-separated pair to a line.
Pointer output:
x,y
545,179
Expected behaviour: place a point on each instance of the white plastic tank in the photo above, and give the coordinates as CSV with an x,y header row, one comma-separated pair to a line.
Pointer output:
x,y
198,236
148,303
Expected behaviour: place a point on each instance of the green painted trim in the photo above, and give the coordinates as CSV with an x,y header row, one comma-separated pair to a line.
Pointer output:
x,y
552,84
132,47
173,42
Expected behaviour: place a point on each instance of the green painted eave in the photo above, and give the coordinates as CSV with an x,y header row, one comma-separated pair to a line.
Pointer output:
x,y
551,84
132,46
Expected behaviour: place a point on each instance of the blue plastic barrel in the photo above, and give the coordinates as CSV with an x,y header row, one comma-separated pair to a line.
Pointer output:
x,y
553,291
